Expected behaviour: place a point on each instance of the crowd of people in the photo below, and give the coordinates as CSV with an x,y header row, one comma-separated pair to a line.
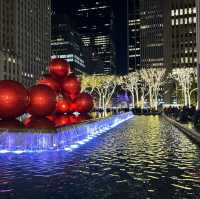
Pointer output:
x,y
136,111
184,114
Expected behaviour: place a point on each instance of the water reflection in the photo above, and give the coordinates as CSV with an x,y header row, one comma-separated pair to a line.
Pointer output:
x,y
144,158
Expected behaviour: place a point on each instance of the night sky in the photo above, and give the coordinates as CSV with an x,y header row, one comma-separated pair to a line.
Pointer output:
x,y
120,28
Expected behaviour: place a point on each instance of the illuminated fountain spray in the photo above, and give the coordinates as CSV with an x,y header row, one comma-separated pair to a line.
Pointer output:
x,y
65,138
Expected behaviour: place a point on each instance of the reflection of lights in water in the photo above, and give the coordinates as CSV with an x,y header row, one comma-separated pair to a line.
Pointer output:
x,y
67,138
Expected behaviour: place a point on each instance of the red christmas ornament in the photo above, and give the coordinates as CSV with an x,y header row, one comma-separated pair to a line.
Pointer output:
x,y
10,124
83,118
72,107
59,68
49,81
75,119
51,117
14,99
62,106
71,87
39,123
61,120
42,101
84,103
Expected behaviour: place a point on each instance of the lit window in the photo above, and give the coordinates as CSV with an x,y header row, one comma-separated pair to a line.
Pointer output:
x,y
172,22
185,10
182,60
181,21
185,20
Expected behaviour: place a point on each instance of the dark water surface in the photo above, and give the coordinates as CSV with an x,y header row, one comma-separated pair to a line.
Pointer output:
x,y
144,158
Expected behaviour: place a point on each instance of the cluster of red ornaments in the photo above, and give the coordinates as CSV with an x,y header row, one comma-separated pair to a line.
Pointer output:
x,y
51,102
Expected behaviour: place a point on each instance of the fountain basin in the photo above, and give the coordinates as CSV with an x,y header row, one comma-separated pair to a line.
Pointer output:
x,y
66,138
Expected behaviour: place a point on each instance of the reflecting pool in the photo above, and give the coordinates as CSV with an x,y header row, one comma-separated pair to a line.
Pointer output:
x,y
143,158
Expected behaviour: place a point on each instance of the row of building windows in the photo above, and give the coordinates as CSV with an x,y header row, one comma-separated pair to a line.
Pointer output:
x,y
184,21
185,11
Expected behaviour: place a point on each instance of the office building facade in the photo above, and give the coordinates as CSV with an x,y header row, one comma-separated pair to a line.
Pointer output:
x,y
154,33
183,33
95,25
25,32
66,43
134,34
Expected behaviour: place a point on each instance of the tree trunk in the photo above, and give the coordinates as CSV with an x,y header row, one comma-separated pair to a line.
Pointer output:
x,y
189,99
100,101
156,102
133,100
137,97
142,101
150,98
185,97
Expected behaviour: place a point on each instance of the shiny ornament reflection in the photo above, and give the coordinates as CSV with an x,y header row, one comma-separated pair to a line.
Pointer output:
x,y
62,106
59,68
42,101
84,103
71,87
61,120
14,99
49,81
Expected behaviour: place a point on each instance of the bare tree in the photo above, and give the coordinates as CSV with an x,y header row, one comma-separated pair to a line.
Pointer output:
x,y
89,83
102,86
185,77
154,78
132,81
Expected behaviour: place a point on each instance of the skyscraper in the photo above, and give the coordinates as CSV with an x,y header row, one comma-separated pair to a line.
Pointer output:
x,y
183,33
95,24
154,36
66,43
25,32
134,34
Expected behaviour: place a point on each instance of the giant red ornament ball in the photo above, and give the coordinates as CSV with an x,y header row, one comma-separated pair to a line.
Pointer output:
x,y
42,101
50,81
59,68
10,124
72,107
84,103
38,123
61,120
74,119
14,99
62,106
71,87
